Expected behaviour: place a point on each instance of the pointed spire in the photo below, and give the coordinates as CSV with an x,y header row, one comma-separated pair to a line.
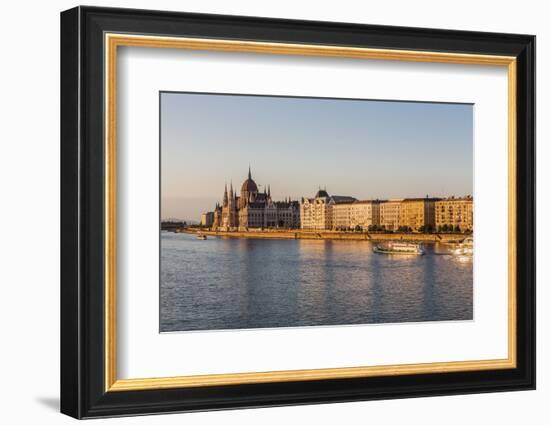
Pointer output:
x,y
249,173
225,196
269,190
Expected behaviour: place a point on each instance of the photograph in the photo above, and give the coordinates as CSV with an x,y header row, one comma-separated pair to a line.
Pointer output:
x,y
285,211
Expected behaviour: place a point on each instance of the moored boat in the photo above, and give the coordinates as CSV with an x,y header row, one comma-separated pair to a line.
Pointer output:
x,y
399,248
465,248
201,236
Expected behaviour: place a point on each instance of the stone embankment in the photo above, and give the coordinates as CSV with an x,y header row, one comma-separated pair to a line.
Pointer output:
x,y
331,235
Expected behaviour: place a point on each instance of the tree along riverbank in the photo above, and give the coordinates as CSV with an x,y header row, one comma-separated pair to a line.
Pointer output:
x,y
330,235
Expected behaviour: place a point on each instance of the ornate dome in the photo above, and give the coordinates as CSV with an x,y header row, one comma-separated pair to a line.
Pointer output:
x,y
249,185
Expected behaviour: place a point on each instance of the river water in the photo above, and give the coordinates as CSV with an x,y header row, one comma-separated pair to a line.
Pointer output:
x,y
223,283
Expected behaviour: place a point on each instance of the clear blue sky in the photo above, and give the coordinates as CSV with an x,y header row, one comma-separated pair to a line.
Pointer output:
x,y
362,148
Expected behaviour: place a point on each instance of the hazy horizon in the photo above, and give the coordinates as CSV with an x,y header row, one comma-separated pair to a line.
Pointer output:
x,y
368,149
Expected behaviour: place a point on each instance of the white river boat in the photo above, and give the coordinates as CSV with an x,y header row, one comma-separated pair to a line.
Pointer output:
x,y
465,248
399,248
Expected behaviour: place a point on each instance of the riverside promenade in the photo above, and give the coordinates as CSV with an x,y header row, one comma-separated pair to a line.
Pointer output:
x,y
330,235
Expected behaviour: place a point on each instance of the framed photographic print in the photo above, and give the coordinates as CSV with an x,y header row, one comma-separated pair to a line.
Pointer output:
x,y
261,212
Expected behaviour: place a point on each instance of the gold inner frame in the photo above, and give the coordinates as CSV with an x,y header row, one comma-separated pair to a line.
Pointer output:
x,y
113,41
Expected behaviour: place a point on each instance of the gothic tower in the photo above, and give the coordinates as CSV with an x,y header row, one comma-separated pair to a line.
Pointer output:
x,y
225,201
232,207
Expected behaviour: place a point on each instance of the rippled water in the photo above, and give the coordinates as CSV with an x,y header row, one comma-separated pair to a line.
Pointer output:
x,y
223,283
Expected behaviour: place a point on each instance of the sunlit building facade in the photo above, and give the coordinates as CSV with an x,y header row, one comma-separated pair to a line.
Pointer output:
x,y
390,214
315,212
207,219
355,215
418,214
454,213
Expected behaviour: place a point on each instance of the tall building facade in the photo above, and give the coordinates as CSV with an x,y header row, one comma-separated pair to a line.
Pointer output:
x,y
324,212
254,209
315,212
390,214
418,214
355,214
341,215
207,219
457,213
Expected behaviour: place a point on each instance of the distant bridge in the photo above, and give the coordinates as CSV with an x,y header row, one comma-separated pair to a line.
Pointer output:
x,y
172,225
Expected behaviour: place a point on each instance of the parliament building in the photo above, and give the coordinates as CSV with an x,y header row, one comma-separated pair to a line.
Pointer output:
x,y
254,209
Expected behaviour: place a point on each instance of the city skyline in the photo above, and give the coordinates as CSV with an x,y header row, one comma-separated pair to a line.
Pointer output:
x,y
367,149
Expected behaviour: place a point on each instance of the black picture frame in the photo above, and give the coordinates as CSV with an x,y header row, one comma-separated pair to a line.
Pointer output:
x,y
83,392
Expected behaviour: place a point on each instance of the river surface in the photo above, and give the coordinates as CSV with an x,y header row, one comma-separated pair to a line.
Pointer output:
x,y
224,283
